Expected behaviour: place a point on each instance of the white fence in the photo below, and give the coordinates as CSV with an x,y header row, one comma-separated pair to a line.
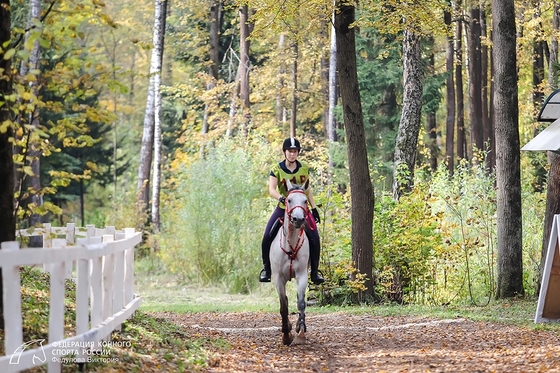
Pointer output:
x,y
102,261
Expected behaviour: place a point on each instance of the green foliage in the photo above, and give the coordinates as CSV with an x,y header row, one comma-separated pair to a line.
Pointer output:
x,y
466,203
437,245
380,79
534,206
342,286
406,239
215,219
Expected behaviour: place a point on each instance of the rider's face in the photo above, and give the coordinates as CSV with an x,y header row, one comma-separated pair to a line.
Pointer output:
x,y
291,155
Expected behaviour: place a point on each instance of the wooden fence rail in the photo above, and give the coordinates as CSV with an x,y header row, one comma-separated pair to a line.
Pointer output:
x,y
102,261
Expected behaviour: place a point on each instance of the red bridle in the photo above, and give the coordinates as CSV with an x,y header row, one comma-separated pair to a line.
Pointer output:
x,y
294,249
289,210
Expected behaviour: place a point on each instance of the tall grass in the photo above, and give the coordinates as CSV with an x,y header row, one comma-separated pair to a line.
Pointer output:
x,y
215,217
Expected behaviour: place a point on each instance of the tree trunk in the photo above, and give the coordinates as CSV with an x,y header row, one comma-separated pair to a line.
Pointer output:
x,y
538,65
36,198
214,39
431,124
280,109
333,96
506,119
7,219
552,72
553,188
362,196
475,80
552,204
293,111
146,151
450,99
461,139
324,35
487,125
244,63
158,153
409,126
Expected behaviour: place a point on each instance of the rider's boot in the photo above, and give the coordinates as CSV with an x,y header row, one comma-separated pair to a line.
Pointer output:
x,y
265,273
314,254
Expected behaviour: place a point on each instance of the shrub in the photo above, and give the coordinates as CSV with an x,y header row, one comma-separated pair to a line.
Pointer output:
x,y
216,218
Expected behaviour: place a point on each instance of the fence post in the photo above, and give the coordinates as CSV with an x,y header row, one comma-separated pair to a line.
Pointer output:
x,y
70,233
47,243
108,274
110,229
47,239
96,286
13,337
82,296
90,230
129,269
56,311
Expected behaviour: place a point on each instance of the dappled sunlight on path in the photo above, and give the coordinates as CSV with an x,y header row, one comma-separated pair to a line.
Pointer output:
x,y
341,342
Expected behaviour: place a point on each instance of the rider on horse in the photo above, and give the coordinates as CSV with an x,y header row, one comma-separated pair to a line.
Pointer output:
x,y
298,173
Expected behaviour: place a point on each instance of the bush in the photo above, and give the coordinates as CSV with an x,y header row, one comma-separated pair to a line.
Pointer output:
x,y
216,219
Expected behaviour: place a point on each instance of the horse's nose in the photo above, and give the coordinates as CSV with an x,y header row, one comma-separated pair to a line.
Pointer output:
x,y
297,221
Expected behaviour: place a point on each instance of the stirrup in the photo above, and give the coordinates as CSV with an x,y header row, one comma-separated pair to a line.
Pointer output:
x,y
319,279
263,276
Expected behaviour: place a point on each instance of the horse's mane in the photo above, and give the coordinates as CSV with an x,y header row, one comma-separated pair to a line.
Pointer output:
x,y
297,187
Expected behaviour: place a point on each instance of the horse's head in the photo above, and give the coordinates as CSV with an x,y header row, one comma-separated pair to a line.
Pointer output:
x,y
296,204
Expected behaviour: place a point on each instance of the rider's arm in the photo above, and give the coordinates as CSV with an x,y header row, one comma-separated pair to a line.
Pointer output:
x,y
272,185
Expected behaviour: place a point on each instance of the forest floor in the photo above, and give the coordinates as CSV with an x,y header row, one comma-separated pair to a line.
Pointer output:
x,y
344,342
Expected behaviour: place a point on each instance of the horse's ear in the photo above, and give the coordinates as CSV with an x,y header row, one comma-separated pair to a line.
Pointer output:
x,y
289,185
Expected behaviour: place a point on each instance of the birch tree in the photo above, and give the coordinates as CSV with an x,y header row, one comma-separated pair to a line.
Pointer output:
x,y
34,153
331,122
147,147
244,66
158,149
409,126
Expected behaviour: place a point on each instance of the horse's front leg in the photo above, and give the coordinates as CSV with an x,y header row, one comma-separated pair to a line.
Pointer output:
x,y
287,336
301,328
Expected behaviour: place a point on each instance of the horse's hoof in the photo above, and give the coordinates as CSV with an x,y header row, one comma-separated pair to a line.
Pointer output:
x,y
300,338
287,339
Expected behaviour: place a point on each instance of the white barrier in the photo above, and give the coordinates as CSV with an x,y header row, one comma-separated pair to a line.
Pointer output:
x,y
104,292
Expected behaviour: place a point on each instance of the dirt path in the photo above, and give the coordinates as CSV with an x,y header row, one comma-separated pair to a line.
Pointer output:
x,y
340,342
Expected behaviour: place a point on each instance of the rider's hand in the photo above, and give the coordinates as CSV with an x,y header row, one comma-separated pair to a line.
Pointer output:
x,y
282,199
316,215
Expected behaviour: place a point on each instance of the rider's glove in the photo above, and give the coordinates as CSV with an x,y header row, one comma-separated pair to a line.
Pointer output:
x,y
316,215
282,199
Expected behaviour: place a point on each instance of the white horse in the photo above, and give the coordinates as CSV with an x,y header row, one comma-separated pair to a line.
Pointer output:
x,y
289,258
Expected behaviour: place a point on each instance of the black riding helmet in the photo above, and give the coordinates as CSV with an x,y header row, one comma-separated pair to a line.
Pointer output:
x,y
291,143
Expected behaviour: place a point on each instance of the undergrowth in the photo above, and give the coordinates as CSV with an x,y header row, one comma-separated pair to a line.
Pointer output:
x,y
145,342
